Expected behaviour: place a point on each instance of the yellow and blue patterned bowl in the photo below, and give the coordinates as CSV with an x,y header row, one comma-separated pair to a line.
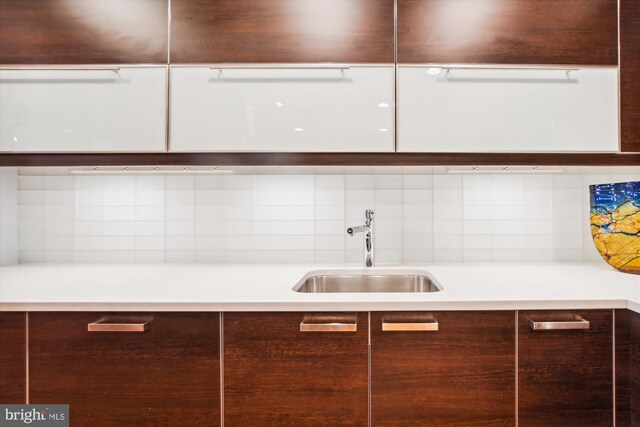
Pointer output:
x,y
615,224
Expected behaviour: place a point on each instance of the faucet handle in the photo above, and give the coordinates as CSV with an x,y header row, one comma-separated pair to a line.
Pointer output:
x,y
368,217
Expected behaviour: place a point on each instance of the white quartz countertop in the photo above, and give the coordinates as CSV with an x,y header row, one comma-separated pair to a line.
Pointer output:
x,y
196,287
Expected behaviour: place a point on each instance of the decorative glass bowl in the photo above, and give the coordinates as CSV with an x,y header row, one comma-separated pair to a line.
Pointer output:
x,y
615,224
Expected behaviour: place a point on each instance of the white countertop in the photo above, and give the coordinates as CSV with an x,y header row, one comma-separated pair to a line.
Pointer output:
x,y
196,287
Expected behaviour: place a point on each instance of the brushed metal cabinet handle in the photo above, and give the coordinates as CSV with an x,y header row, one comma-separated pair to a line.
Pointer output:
x,y
106,326
337,324
411,326
565,325
328,327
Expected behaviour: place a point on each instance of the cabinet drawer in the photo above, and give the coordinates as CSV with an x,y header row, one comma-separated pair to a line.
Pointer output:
x,y
314,109
165,373
443,368
279,372
459,109
98,110
565,372
13,357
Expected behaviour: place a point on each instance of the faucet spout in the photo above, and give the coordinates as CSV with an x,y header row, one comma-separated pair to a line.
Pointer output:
x,y
367,229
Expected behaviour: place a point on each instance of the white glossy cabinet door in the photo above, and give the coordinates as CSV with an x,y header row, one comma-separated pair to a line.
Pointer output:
x,y
96,110
507,110
282,109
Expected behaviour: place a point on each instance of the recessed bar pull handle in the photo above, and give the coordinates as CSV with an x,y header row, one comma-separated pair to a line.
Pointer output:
x,y
411,326
104,325
564,325
70,68
502,67
279,67
312,323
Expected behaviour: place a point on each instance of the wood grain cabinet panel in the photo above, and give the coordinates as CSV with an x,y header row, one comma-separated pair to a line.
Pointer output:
x,y
282,31
630,75
508,31
627,368
12,357
623,367
83,31
274,374
565,377
461,375
167,375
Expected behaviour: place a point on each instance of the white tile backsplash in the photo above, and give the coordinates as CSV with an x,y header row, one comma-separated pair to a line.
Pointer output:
x,y
300,215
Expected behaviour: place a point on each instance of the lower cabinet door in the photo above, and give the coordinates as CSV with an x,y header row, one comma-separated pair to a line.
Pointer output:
x,y
13,357
565,372
159,369
443,368
295,369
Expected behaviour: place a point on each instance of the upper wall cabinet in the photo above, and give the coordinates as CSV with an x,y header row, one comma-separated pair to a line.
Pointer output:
x,y
101,109
83,31
282,31
508,31
630,74
296,109
461,109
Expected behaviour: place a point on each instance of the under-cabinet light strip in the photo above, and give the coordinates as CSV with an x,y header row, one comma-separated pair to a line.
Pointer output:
x,y
112,170
503,170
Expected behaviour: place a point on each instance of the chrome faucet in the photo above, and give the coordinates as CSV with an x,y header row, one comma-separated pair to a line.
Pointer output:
x,y
367,229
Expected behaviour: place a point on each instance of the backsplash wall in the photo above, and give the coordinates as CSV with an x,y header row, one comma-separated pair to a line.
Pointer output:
x,y
289,215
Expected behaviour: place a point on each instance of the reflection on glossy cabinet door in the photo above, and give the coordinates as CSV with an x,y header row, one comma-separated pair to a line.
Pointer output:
x,y
443,368
83,31
339,109
282,31
127,369
508,32
13,358
565,368
461,109
102,109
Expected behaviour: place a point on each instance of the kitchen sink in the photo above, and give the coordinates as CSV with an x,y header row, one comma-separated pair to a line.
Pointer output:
x,y
334,281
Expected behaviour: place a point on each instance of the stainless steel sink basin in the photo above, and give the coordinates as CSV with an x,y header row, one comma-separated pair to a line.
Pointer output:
x,y
333,281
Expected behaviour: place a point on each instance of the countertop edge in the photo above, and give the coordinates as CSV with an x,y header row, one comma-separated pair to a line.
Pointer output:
x,y
327,306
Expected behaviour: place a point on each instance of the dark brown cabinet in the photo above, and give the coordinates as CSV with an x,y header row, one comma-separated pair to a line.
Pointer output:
x,y
283,369
508,32
630,75
282,31
83,31
166,375
627,353
565,376
443,368
13,359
